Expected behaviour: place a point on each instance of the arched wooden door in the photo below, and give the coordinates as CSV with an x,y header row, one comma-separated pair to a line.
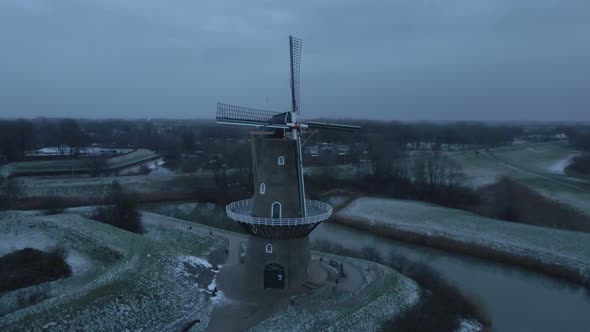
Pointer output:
x,y
274,276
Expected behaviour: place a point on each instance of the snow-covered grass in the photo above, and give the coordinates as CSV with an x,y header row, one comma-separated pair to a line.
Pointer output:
x,y
181,210
484,166
478,169
155,167
124,280
13,240
468,325
346,171
336,200
549,247
559,166
94,190
195,261
539,158
540,166
78,165
131,158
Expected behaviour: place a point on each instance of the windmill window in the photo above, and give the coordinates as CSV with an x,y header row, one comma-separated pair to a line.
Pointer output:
x,y
269,248
281,160
262,188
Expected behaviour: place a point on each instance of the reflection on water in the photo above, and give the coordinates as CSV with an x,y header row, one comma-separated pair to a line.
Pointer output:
x,y
516,299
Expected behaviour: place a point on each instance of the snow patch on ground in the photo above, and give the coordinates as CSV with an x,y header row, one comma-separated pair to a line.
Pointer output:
x,y
77,262
212,285
220,299
155,167
469,325
10,242
192,260
558,167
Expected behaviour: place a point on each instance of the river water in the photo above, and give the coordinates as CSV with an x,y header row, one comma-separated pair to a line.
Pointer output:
x,y
515,299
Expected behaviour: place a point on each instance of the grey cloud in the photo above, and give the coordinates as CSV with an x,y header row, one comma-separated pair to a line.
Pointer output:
x,y
404,59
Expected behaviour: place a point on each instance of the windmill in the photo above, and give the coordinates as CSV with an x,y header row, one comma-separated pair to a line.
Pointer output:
x,y
277,218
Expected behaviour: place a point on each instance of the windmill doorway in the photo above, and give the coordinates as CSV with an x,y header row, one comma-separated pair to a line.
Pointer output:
x,y
276,210
274,276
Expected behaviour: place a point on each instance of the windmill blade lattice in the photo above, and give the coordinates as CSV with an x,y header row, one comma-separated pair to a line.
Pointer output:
x,y
295,45
231,114
324,125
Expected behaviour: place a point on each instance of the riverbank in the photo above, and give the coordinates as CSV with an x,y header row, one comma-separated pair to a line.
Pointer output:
x,y
563,254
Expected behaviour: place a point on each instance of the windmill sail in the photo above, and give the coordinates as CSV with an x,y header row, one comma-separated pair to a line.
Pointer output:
x,y
295,48
324,125
300,178
230,114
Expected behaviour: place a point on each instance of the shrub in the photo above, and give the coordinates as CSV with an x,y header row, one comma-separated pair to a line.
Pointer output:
x,y
511,201
10,193
580,164
121,211
52,205
27,267
397,186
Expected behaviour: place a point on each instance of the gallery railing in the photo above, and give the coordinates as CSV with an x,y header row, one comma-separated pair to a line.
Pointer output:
x,y
240,211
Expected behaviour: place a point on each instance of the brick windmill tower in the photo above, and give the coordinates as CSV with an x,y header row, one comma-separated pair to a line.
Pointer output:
x,y
278,218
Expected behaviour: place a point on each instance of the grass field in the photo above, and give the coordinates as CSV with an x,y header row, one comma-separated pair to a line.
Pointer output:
x,y
539,166
153,281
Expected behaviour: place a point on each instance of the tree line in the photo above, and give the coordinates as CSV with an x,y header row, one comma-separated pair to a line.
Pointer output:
x,y
19,136
173,138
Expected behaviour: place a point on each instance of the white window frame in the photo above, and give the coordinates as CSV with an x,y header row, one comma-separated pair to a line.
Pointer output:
x,y
262,190
268,248
280,209
281,160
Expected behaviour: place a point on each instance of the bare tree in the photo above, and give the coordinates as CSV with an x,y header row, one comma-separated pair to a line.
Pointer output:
x,y
435,172
10,192
121,211
15,139
96,165
70,136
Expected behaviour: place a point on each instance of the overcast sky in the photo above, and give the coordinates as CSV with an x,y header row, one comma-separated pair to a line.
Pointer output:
x,y
395,60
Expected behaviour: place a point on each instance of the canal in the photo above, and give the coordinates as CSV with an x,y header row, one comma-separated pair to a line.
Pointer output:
x,y
516,299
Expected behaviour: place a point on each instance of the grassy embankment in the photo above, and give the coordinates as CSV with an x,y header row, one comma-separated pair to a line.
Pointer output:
x,y
559,253
129,280
35,194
